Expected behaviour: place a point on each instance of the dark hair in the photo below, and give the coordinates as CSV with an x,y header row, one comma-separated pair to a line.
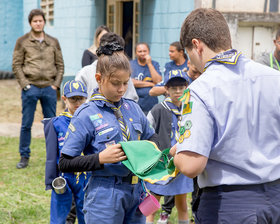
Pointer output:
x,y
177,81
179,47
142,43
277,34
108,64
99,30
111,37
207,25
36,12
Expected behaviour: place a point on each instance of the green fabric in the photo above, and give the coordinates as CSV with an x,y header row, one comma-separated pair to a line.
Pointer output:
x,y
147,162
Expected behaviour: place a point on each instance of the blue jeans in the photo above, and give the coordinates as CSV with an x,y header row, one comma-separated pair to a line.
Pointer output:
x,y
61,203
29,98
257,204
109,200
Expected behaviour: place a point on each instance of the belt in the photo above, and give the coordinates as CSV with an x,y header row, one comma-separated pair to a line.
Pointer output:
x,y
132,179
227,188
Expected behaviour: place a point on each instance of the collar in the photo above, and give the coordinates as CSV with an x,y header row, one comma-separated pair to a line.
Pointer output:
x,y
101,101
66,113
229,57
46,38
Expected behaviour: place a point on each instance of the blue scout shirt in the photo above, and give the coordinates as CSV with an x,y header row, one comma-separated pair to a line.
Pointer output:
x,y
61,124
142,73
94,127
233,118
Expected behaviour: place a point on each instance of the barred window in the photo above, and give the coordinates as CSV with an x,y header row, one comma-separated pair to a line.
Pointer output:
x,y
48,8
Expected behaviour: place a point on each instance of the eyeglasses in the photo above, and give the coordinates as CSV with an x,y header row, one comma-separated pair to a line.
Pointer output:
x,y
75,99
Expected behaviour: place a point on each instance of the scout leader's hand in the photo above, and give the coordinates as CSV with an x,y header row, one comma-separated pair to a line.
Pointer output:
x,y
112,154
172,151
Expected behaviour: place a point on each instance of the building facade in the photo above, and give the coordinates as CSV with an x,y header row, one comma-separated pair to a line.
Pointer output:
x,y
73,23
253,23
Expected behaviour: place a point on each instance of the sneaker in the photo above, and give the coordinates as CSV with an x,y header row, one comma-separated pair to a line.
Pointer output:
x,y
23,163
163,218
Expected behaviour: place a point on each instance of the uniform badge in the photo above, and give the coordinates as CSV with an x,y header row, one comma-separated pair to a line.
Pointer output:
x,y
182,130
187,109
187,134
188,125
130,119
110,143
126,106
72,127
95,117
105,131
181,139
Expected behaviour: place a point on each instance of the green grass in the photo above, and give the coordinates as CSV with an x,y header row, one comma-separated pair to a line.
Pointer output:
x,y
23,199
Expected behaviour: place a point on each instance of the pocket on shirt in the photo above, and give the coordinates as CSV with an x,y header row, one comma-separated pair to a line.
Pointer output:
x,y
138,129
106,137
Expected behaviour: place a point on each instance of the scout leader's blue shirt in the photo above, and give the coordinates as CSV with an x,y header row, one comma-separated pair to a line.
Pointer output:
x,y
142,73
94,127
234,119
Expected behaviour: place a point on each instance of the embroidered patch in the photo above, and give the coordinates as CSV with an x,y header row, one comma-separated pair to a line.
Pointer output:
x,y
187,134
97,122
72,127
181,139
95,117
187,108
188,125
101,126
105,131
110,143
182,130
126,106
131,119
76,85
67,134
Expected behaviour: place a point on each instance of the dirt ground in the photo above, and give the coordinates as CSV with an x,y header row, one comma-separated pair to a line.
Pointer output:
x,y
10,110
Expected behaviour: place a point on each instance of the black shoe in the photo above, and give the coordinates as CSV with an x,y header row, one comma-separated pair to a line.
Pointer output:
x,y
23,163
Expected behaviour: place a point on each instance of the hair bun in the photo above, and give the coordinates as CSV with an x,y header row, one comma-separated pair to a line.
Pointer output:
x,y
109,48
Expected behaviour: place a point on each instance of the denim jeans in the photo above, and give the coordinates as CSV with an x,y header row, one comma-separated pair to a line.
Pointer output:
x,y
29,98
108,200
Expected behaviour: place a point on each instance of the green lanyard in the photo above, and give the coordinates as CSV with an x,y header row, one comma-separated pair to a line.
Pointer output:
x,y
271,62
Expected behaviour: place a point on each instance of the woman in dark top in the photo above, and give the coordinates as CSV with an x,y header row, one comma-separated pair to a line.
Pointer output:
x,y
89,55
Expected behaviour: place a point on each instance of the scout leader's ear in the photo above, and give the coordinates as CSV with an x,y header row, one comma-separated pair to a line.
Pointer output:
x,y
98,78
197,45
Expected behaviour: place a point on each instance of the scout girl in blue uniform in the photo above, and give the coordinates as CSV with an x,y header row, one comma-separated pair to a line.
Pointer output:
x,y
164,117
74,94
113,193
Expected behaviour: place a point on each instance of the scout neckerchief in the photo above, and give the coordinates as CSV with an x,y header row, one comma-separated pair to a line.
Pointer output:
x,y
66,113
276,62
167,103
125,130
229,57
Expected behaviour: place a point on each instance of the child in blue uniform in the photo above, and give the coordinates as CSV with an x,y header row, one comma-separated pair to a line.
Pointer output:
x,y
164,117
74,94
113,193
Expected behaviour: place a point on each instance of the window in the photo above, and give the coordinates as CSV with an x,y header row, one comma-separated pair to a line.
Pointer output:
x,y
48,6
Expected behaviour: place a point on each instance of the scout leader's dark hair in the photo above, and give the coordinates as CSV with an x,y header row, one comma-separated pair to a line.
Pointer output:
x,y
207,25
36,12
111,56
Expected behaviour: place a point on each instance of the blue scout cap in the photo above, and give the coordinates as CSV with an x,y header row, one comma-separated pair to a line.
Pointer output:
x,y
74,88
176,74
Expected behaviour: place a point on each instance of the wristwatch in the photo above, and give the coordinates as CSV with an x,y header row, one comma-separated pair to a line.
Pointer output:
x,y
27,87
